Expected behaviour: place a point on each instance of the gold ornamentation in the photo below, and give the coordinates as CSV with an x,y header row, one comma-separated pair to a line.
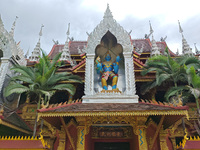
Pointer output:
x,y
114,113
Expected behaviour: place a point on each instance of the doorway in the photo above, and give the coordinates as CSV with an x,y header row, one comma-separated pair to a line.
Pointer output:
x,y
111,146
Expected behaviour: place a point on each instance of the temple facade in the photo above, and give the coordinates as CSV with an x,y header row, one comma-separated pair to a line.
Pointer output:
x,y
109,110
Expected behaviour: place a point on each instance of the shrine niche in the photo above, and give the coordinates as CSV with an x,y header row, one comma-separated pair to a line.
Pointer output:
x,y
109,74
109,46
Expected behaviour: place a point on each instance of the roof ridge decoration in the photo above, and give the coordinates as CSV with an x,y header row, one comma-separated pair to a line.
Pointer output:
x,y
109,24
186,50
155,50
65,51
184,141
154,102
36,52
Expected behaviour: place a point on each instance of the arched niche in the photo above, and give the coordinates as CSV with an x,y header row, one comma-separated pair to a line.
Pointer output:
x,y
109,44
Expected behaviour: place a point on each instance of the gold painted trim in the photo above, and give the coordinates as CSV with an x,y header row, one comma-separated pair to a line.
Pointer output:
x,y
135,55
146,53
14,127
114,113
138,64
76,70
143,80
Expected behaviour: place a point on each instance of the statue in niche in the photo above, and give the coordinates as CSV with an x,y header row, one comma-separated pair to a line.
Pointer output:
x,y
107,60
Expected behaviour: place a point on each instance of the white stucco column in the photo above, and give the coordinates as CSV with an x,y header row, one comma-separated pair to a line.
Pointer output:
x,y
3,70
89,75
129,74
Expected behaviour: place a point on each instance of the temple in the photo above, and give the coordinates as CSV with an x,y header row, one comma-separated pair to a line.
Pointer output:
x,y
109,110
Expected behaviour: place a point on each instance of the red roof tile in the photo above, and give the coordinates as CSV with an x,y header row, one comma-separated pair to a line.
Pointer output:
x,y
87,107
21,144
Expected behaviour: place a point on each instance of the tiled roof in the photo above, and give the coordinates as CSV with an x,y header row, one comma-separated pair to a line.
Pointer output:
x,y
22,143
14,119
142,42
73,48
88,107
189,143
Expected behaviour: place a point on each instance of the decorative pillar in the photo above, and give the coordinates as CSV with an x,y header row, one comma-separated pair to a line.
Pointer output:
x,y
89,75
81,138
81,132
3,70
163,142
173,139
141,132
62,139
129,74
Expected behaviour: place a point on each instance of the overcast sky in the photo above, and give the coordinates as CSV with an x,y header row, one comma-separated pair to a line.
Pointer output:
x,y
84,15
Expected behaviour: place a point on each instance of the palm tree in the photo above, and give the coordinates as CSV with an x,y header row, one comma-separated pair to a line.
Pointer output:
x,y
42,81
166,68
169,69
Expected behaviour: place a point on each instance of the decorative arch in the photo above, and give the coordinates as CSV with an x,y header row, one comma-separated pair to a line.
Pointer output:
x,y
109,24
92,94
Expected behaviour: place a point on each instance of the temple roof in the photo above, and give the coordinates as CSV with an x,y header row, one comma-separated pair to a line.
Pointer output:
x,y
73,48
89,107
14,121
149,109
23,143
192,143
139,43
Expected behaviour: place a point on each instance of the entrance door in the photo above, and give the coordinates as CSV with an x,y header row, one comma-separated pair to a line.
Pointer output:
x,y
111,146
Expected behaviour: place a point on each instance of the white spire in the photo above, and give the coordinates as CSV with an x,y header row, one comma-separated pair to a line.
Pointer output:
x,y
196,50
13,27
65,52
151,29
22,60
177,53
1,25
186,50
27,53
108,13
36,52
155,50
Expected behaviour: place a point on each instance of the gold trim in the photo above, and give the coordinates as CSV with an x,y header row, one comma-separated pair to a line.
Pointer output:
x,y
138,64
76,70
14,127
143,80
114,113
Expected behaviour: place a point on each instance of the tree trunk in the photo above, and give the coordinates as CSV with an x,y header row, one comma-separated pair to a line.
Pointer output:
x,y
35,125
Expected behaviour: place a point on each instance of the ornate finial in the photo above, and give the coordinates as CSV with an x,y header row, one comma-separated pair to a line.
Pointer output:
x,y
65,52
151,30
107,13
1,24
186,50
155,50
40,33
180,29
36,52
27,53
13,27
68,30
177,52
196,50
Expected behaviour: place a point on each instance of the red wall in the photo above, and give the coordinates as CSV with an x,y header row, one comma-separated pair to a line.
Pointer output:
x,y
150,134
73,133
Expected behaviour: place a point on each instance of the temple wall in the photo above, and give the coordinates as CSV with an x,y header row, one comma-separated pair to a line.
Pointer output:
x,y
151,130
